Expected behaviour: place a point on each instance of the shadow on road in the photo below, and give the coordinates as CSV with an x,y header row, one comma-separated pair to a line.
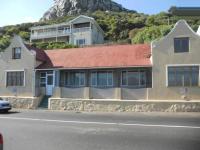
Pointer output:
x,y
9,113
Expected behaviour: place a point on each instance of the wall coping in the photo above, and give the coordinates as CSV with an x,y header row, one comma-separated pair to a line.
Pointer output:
x,y
139,101
19,97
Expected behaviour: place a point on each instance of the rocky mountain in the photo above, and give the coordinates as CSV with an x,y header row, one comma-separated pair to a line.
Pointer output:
x,y
73,7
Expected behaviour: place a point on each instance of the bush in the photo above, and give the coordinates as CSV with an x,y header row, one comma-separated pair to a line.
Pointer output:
x,y
149,34
24,35
4,42
53,45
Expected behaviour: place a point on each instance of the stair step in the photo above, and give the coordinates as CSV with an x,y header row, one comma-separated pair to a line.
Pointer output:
x,y
44,103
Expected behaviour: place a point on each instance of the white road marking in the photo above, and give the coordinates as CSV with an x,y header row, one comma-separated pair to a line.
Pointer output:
x,y
102,123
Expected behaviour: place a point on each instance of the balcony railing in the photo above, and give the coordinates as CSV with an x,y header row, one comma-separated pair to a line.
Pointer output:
x,y
50,34
85,29
58,33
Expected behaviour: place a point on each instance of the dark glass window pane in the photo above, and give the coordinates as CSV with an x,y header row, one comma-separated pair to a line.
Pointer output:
x,y
133,78
17,53
124,78
185,44
179,76
181,45
82,79
102,79
142,78
171,77
110,78
71,79
43,74
183,76
195,76
66,79
94,79
187,76
76,79
15,78
80,42
42,80
50,80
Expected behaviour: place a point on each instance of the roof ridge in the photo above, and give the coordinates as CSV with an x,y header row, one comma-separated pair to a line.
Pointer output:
x,y
99,46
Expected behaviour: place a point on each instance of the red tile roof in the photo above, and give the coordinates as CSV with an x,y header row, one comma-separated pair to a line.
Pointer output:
x,y
40,54
114,56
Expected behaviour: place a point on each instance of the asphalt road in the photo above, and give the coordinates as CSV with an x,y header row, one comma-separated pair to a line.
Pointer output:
x,y
45,130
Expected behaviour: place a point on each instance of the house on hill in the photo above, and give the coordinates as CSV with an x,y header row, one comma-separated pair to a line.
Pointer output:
x,y
185,11
82,30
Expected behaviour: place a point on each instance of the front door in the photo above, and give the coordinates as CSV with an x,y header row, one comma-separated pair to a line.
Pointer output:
x,y
49,84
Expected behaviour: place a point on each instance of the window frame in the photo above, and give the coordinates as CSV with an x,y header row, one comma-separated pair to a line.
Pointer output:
x,y
181,51
11,71
45,82
78,42
68,79
127,79
182,65
107,82
15,55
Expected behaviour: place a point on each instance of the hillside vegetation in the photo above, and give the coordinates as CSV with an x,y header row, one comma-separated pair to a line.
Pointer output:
x,y
119,27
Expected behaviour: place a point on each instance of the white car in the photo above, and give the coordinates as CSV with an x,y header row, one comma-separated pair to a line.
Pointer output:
x,y
5,106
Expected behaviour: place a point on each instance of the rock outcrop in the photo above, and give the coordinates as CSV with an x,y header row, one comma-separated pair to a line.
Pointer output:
x,y
73,7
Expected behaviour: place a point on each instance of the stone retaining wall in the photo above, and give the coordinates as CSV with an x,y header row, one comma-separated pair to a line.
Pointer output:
x,y
24,102
123,106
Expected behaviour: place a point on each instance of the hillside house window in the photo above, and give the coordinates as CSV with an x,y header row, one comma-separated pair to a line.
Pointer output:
x,y
183,76
15,78
16,54
81,42
75,79
102,79
181,45
136,78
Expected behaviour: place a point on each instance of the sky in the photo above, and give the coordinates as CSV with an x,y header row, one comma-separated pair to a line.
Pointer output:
x,y
20,11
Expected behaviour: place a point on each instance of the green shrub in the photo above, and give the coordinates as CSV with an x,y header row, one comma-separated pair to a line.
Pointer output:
x,y
53,45
148,34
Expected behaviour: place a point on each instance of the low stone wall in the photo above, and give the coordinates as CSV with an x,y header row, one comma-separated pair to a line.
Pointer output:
x,y
123,106
24,102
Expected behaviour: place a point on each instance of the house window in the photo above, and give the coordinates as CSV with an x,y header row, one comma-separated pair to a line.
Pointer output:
x,y
75,79
15,78
81,42
181,45
16,54
43,79
102,79
135,78
183,76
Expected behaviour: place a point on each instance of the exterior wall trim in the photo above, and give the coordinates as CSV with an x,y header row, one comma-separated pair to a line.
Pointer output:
x,y
95,68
